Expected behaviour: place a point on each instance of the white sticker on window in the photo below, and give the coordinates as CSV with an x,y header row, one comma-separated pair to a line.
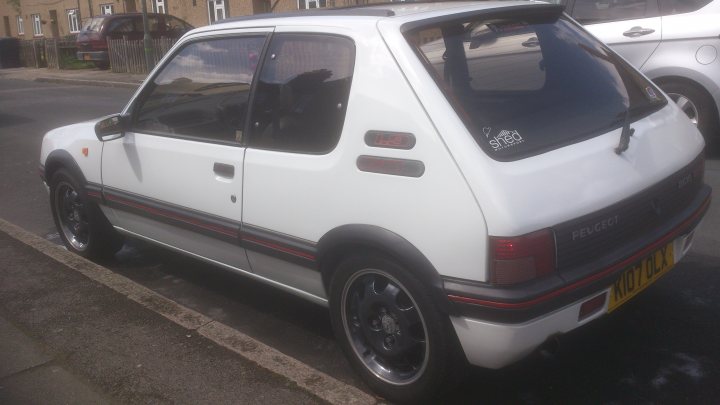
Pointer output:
x,y
505,139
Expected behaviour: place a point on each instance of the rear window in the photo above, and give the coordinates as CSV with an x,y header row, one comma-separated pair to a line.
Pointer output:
x,y
93,24
527,85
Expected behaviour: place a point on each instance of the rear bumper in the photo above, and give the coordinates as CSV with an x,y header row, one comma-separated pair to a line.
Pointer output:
x,y
495,345
497,326
99,56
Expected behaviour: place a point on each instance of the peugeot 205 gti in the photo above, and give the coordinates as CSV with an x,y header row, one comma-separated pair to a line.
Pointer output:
x,y
457,182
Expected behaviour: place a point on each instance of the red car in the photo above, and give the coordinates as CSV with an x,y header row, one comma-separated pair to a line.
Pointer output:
x,y
92,39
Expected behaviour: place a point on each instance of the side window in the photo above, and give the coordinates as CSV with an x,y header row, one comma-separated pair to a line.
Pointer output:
x,y
202,92
121,26
670,7
597,11
302,93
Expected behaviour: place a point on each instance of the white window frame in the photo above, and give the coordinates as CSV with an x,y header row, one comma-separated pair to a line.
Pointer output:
x,y
37,25
159,6
73,23
214,8
107,9
20,25
308,3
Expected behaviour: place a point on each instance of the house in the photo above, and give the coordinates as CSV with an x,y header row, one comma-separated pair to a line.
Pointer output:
x,y
28,19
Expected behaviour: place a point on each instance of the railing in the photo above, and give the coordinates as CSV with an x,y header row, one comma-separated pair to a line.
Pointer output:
x,y
32,53
59,53
128,56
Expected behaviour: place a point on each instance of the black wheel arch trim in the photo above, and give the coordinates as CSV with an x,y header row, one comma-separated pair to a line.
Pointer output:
x,y
61,159
345,239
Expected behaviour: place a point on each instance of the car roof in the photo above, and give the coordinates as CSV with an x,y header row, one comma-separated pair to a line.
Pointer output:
x,y
372,12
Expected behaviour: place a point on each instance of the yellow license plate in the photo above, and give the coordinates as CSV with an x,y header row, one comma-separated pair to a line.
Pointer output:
x,y
640,275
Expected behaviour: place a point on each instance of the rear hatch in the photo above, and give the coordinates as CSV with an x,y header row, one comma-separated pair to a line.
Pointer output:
x,y
551,129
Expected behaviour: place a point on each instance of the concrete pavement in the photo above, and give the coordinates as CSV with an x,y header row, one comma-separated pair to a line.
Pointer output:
x,y
92,77
76,333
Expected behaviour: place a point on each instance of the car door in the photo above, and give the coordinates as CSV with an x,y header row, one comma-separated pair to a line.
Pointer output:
x,y
176,175
632,28
297,117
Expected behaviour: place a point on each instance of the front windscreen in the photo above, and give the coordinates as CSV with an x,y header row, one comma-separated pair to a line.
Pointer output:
x,y
527,82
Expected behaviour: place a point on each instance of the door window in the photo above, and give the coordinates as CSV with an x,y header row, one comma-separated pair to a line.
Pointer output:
x,y
302,93
594,11
202,92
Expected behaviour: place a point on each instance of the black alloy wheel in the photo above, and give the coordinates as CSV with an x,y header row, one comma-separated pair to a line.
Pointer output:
x,y
391,330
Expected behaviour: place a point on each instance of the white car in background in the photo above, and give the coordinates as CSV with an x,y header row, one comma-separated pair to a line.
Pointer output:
x,y
673,42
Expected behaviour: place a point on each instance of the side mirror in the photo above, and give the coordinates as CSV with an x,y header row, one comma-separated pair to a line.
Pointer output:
x,y
110,128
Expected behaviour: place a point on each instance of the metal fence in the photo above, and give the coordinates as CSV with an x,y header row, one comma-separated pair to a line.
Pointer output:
x,y
128,56
32,53
59,52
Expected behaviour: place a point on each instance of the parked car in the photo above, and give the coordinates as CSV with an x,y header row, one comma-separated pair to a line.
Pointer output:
x,y
457,182
92,39
674,42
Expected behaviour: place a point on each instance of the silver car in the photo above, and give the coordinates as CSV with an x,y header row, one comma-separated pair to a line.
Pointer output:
x,y
673,42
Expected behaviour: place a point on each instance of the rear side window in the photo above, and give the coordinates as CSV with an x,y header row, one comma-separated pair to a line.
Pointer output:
x,y
302,93
670,7
525,86
592,11
202,91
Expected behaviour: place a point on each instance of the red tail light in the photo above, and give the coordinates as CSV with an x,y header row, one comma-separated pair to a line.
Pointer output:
x,y
522,258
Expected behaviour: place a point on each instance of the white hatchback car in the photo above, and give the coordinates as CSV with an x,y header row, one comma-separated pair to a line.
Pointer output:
x,y
458,182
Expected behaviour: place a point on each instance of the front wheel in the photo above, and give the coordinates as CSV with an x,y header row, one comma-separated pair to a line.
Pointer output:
x,y
391,331
81,225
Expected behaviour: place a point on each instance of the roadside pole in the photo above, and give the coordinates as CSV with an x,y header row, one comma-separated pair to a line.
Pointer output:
x,y
147,42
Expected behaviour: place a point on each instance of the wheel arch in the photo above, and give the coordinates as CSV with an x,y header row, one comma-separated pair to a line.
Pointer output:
x,y
663,79
62,159
346,240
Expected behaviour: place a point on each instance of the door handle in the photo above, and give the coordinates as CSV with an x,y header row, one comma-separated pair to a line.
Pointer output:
x,y
638,32
224,170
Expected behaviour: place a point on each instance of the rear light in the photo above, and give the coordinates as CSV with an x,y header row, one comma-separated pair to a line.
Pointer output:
x,y
522,258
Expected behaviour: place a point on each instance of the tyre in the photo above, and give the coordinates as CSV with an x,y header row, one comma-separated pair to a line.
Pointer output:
x,y
81,224
391,331
697,105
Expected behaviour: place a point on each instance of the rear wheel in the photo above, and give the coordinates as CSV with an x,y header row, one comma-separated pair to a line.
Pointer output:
x,y
696,104
80,223
390,329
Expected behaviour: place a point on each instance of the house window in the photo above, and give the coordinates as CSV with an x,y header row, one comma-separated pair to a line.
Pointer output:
x,y
21,28
106,9
216,10
37,24
73,23
159,6
306,4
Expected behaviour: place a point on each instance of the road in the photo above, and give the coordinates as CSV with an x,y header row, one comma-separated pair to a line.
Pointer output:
x,y
660,348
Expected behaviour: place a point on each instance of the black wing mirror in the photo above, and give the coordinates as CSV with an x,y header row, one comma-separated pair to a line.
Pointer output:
x,y
112,127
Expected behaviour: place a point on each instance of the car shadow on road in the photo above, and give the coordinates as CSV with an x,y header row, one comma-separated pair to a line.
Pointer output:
x,y
661,347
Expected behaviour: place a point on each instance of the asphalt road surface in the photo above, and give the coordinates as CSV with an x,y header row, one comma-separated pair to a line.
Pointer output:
x,y
662,347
